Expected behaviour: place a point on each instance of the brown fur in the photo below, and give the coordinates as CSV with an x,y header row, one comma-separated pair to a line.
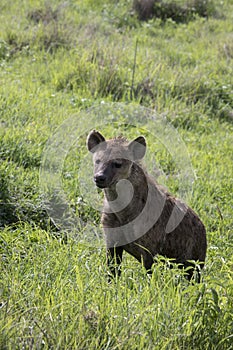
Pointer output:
x,y
116,160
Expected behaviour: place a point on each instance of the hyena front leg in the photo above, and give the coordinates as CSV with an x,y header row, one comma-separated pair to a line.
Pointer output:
x,y
114,259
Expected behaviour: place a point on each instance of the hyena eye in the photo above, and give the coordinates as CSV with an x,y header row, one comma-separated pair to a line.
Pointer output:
x,y
117,164
97,161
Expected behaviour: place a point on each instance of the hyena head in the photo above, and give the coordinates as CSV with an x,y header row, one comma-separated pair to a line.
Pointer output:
x,y
113,159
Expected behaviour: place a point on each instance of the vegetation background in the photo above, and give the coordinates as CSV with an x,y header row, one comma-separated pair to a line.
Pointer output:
x,y
56,59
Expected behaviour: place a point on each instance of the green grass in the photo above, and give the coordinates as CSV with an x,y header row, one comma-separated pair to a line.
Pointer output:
x,y
56,60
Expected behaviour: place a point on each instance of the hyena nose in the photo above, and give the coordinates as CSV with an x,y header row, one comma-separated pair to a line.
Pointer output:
x,y
100,179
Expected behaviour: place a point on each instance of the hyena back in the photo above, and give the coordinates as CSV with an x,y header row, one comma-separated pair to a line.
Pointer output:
x,y
139,216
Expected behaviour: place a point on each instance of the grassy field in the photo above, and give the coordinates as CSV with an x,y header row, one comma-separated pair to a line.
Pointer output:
x,y
58,59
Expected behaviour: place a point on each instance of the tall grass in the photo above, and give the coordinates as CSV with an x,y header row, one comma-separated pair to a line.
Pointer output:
x,y
57,296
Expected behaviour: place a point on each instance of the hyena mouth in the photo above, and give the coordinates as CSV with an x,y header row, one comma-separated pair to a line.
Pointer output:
x,y
104,183
100,182
102,186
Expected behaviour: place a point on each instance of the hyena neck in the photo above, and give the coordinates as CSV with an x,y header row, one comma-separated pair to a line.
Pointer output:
x,y
128,196
110,193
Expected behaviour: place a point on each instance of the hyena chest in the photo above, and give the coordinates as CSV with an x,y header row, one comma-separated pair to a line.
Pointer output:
x,y
120,213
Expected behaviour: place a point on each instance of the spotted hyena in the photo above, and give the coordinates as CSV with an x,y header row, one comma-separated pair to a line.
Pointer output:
x,y
139,216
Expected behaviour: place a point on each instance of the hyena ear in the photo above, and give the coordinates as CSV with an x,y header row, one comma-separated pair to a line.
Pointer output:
x,y
138,148
93,140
